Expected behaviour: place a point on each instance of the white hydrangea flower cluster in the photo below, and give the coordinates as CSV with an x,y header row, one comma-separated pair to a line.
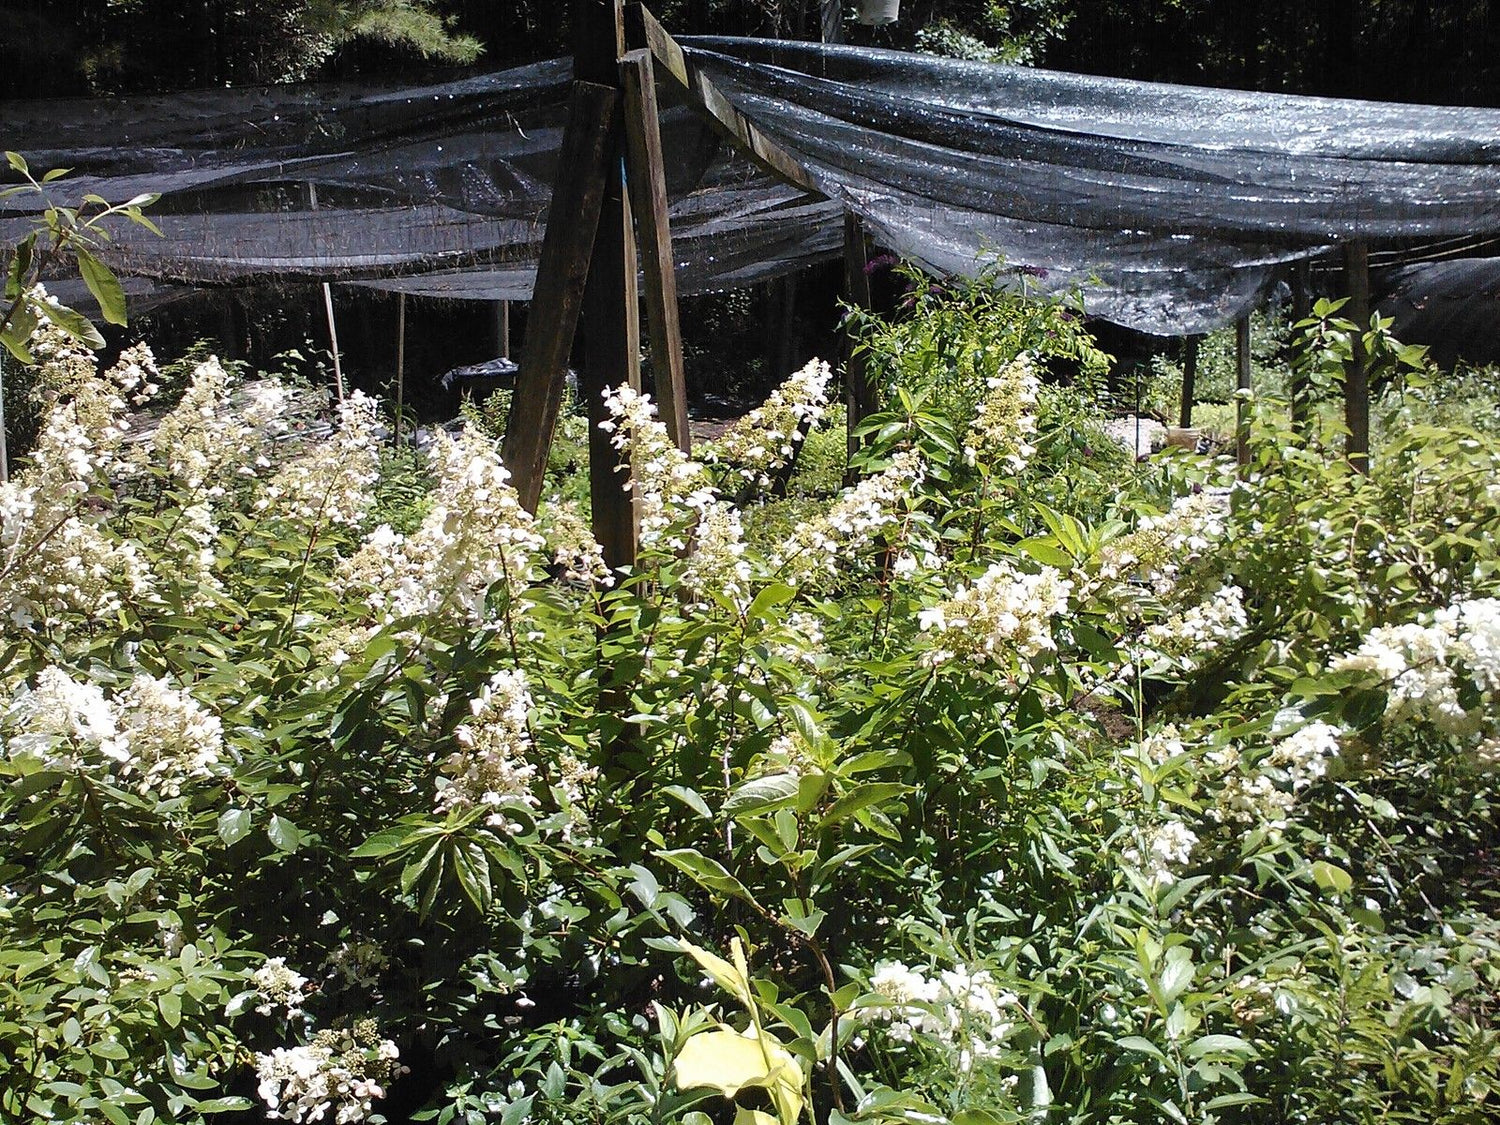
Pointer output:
x,y
1006,419
680,510
1005,611
330,483
166,737
344,1071
476,536
764,441
575,551
357,964
279,990
873,509
1185,638
493,769
1163,546
65,365
1267,794
135,373
1160,851
962,1009
56,560
203,445
157,737
1424,668
59,719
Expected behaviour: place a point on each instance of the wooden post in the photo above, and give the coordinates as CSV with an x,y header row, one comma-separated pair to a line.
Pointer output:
x,y
557,298
859,397
647,181
1357,378
611,317
611,356
333,328
502,328
1242,382
400,362
1301,310
1190,348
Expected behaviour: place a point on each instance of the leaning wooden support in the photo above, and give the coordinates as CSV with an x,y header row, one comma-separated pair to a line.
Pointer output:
x,y
859,396
1242,382
1357,376
644,32
647,182
557,298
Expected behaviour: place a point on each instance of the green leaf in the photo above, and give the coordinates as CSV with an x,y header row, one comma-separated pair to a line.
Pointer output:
x,y
762,794
1331,877
171,1008
76,325
862,797
234,826
1141,1046
706,872
1220,1045
103,284
224,1105
284,835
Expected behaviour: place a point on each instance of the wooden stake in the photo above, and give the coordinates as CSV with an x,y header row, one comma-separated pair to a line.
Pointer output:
x,y
502,328
1242,371
333,328
400,362
557,298
859,396
1357,377
1189,378
647,181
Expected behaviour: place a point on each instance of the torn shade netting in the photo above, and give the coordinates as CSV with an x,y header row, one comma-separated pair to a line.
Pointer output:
x,y
1171,207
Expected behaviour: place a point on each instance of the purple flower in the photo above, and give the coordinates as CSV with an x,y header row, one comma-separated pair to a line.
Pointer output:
x,y
880,262
1033,271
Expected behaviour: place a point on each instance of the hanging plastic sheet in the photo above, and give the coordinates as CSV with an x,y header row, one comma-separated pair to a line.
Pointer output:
x,y
1171,209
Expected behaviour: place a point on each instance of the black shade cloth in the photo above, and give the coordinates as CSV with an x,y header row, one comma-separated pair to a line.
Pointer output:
x,y
1172,208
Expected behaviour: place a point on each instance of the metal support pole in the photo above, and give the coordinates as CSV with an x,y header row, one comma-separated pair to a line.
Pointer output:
x,y
1357,377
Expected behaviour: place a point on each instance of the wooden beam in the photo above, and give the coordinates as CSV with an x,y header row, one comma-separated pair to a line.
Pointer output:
x,y
859,396
1190,348
557,298
644,32
647,180
1242,382
1357,377
502,328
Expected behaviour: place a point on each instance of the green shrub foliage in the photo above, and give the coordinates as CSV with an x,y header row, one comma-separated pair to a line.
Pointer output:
x,y
1016,782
